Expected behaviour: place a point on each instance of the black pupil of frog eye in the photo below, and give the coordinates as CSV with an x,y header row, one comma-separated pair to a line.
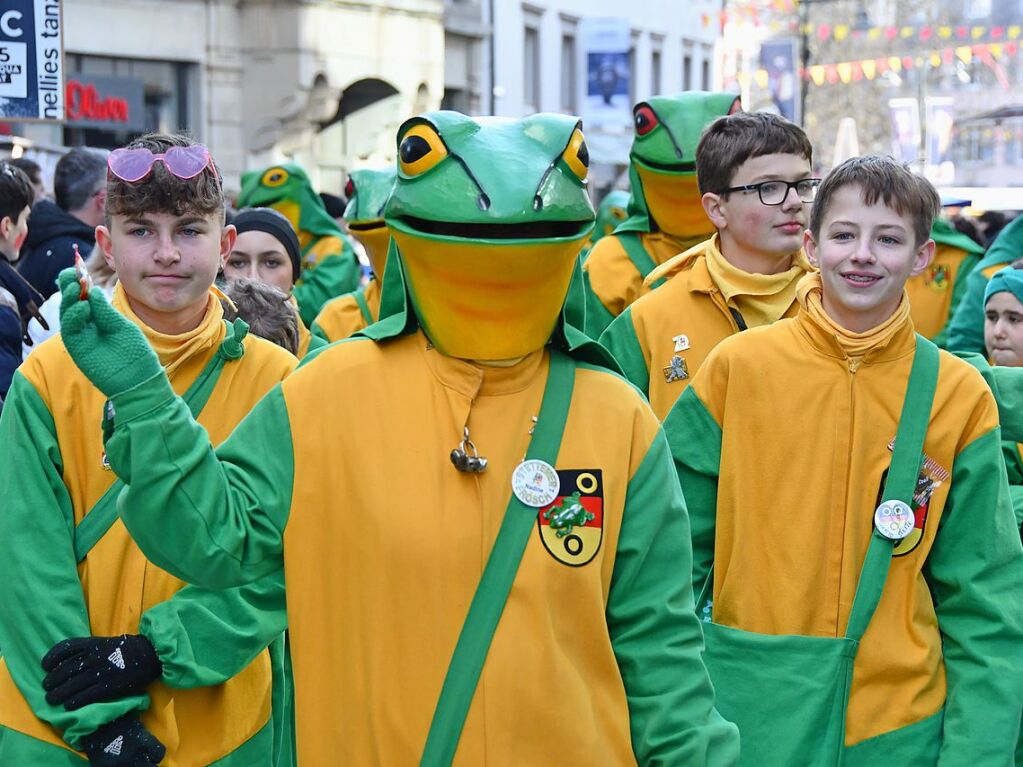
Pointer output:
x,y
413,148
584,155
275,177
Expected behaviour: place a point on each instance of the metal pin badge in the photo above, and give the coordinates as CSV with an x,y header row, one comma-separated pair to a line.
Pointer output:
x,y
681,342
677,370
466,457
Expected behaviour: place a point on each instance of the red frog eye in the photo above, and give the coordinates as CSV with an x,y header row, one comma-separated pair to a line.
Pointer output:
x,y
645,120
349,188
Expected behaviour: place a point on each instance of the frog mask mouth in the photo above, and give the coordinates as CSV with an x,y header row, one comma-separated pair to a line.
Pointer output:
x,y
532,230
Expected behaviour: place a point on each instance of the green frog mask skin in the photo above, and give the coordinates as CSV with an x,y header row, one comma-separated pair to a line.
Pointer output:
x,y
367,191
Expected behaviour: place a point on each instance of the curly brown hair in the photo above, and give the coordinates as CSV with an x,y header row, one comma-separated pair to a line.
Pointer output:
x,y
163,192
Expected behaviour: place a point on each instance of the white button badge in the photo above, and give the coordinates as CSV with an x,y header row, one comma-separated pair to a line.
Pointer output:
x,y
536,483
894,520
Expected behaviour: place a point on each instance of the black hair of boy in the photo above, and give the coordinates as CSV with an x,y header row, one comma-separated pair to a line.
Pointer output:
x,y
163,192
267,311
884,179
30,168
16,192
730,141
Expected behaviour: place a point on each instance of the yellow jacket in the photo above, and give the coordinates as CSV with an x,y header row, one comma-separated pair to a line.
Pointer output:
x,y
59,413
343,316
685,318
782,444
384,542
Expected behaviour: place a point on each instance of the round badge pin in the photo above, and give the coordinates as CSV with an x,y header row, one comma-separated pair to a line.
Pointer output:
x,y
894,520
535,483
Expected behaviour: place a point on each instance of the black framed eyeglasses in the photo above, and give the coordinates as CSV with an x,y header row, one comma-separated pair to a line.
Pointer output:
x,y
775,192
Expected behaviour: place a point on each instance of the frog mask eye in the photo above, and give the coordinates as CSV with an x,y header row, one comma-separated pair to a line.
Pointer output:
x,y
420,149
274,177
577,156
645,119
349,188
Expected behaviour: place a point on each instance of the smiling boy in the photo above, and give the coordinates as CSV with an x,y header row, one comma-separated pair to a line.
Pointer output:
x,y
171,668
784,441
754,171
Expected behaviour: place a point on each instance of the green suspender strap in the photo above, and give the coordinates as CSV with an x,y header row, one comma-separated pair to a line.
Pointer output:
x,y
638,256
103,514
360,299
788,694
492,592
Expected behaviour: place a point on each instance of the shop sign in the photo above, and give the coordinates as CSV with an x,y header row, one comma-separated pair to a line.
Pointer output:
x,y
109,103
31,60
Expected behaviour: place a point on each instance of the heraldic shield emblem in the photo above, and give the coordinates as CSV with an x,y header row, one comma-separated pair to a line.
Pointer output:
x,y
572,527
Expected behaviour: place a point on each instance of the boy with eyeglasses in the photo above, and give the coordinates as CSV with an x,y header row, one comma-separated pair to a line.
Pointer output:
x,y
754,171
171,668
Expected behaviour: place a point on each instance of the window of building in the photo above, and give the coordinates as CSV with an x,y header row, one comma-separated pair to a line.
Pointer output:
x,y
655,72
531,69
687,65
705,68
568,73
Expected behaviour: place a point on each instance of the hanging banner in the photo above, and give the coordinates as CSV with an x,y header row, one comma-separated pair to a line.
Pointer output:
x,y
905,129
31,60
607,103
940,118
778,59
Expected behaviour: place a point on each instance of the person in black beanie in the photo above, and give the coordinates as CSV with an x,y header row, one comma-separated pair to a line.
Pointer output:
x,y
267,250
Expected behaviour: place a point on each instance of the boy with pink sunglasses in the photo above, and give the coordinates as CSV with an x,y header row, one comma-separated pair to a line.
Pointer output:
x,y
175,672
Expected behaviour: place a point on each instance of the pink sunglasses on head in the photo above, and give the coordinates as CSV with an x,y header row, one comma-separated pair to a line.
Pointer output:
x,y
185,162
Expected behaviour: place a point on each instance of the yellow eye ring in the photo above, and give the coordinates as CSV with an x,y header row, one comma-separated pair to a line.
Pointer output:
x,y
576,155
420,149
274,177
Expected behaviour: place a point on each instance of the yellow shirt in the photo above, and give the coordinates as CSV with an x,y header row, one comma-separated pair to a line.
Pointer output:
x,y
340,318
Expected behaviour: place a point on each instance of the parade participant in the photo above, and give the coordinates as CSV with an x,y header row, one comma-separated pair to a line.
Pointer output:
x,y
71,219
936,292
16,197
1003,336
925,585
267,250
266,309
367,191
153,673
383,528
611,212
665,214
329,265
966,330
754,171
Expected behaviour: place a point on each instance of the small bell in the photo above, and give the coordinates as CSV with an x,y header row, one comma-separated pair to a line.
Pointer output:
x,y
468,462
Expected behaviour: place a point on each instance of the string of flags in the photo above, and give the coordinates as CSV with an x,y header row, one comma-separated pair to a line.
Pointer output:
x,y
840,32
854,71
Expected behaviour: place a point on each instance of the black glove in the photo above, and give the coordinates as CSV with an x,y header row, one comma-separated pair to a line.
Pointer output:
x,y
124,742
91,669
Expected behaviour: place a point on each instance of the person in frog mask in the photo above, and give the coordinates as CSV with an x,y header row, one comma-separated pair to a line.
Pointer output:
x,y
178,669
474,424
329,265
665,213
611,212
367,191
935,294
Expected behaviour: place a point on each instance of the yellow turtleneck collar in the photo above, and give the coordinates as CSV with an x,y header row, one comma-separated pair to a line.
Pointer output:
x,y
761,299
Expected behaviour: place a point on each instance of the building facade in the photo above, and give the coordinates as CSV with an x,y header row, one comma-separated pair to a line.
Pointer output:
x,y
321,82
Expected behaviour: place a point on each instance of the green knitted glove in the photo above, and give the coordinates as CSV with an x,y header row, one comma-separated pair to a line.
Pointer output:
x,y
107,347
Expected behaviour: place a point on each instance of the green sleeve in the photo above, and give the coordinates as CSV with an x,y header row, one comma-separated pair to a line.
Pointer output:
x,y
975,573
1014,470
42,602
620,339
966,268
597,315
333,276
656,636
1006,383
205,637
695,441
212,518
